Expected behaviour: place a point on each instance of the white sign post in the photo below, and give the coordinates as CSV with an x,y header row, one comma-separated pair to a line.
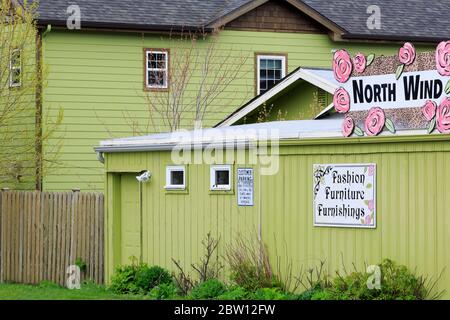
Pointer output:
x,y
344,195
245,186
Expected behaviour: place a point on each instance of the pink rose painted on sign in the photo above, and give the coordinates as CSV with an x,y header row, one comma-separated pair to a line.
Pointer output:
x,y
348,126
342,65
443,116
370,205
429,110
341,100
407,54
359,63
375,121
443,58
371,170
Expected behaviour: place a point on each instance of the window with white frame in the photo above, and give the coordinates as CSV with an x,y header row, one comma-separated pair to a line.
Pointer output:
x,y
157,66
220,177
15,69
271,69
175,177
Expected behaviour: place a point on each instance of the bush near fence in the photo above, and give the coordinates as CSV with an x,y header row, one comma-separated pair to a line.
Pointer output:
x,y
42,233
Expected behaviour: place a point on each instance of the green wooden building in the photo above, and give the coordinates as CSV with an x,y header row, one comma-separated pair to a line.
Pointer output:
x,y
98,62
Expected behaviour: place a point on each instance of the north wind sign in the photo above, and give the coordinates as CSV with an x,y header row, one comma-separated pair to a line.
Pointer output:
x,y
412,89
345,195
371,85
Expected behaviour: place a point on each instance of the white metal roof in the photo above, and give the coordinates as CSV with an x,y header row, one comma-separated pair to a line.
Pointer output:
x,y
279,130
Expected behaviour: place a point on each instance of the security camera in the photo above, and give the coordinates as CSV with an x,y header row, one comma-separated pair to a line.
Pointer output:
x,y
144,176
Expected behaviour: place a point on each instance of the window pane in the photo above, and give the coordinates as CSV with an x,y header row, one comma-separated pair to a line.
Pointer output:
x,y
156,78
277,64
270,64
262,74
278,74
156,60
263,64
177,178
15,76
222,177
15,62
262,85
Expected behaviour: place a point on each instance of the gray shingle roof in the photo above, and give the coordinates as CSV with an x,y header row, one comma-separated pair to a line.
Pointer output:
x,y
400,19
148,14
413,20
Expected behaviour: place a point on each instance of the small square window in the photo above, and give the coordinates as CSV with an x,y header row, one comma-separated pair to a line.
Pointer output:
x,y
221,177
157,71
176,177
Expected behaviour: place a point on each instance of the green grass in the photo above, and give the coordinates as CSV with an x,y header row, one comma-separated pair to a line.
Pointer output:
x,y
51,291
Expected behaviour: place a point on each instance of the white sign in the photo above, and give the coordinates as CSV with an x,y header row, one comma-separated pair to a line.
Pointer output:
x,y
345,195
412,89
245,186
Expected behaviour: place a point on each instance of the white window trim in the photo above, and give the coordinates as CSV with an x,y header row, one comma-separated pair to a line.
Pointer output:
x,y
166,69
13,68
213,170
169,170
272,57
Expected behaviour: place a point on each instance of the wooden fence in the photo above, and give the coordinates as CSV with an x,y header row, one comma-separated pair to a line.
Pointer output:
x,y
42,233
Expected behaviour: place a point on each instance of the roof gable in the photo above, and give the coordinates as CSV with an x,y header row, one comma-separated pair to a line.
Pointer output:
x,y
276,16
321,78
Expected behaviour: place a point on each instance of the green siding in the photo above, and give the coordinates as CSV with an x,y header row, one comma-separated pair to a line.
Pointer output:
x,y
97,78
413,183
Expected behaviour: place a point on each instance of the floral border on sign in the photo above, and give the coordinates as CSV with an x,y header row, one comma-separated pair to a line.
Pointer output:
x,y
319,175
376,120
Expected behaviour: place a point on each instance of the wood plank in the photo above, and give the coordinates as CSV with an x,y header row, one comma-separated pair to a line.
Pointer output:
x,y
2,238
68,231
102,232
20,234
96,240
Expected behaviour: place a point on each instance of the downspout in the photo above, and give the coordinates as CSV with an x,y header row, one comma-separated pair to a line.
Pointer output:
x,y
142,178
49,28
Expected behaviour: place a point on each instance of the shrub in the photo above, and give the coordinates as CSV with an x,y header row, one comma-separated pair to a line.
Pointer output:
x,y
208,268
235,293
397,283
270,294
249,265
163,291
209,289
138,278
149,277
310,293
123,280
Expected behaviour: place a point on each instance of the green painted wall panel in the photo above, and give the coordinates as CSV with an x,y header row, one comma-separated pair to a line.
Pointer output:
x,y
413,183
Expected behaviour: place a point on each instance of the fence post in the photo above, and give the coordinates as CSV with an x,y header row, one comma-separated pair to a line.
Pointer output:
x,y
1,237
